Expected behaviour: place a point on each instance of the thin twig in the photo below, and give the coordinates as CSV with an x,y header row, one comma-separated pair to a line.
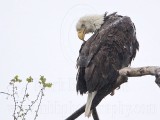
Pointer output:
x,y
5,93
15,103
139,71
42,94
30,106
21,106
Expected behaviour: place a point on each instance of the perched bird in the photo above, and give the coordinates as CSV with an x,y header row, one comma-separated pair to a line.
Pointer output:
x,y
112,46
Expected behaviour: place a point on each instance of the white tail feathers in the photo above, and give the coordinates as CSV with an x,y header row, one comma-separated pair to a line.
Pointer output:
x,y
89,103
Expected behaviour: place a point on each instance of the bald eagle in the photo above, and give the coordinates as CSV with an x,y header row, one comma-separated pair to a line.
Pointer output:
x,y
112,46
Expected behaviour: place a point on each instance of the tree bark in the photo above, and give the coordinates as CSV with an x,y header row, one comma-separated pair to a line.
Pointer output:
x,y
95,114
76,113
124,73
141,71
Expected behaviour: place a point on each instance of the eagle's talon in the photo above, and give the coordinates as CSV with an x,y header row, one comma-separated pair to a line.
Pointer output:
x,y
112,93
118,88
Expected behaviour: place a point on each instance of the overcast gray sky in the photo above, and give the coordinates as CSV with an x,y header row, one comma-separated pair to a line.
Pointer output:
x,y
38,37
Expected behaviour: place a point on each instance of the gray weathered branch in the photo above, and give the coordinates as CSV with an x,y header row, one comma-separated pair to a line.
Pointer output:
x,y
124,74
141,71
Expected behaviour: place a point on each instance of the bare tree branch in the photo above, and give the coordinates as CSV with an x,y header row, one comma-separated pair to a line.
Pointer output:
x,y
32,103
23,100
15,102
76,113
123,77
95,114
140,71
42,94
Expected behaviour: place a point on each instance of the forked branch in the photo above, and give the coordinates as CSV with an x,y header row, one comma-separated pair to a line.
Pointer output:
x,y
123,77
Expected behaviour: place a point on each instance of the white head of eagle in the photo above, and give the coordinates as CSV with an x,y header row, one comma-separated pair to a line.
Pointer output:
x,y
89,24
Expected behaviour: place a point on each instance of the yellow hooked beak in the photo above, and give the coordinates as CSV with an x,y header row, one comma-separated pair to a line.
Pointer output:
x,y
81,34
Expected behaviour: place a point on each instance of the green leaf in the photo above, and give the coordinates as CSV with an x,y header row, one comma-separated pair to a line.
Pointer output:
x,y
43,79
49,85
29,80
16,77
19,81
